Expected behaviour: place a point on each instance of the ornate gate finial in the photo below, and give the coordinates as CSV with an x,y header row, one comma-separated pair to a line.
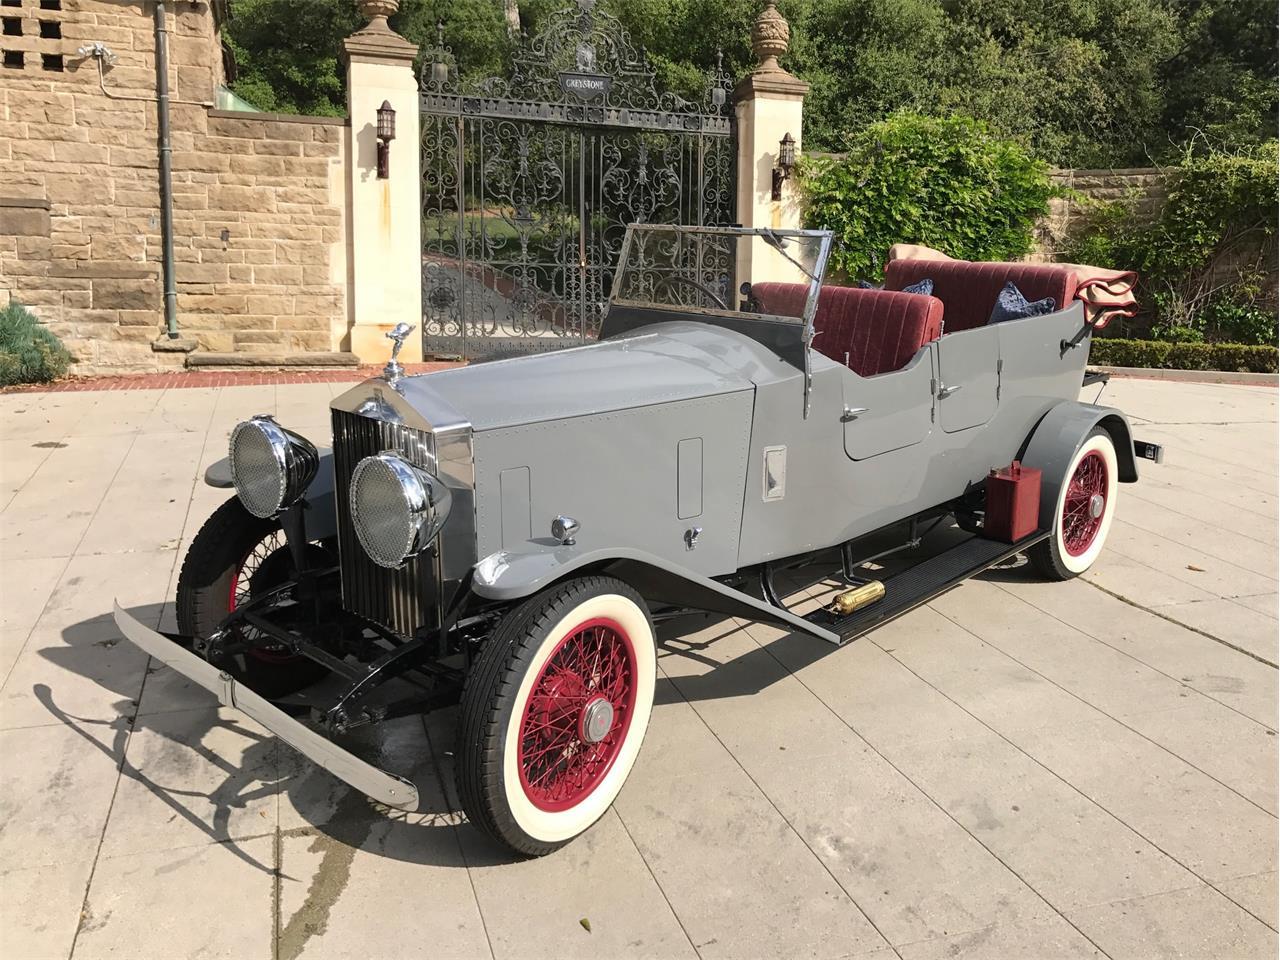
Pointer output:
x,y
770,37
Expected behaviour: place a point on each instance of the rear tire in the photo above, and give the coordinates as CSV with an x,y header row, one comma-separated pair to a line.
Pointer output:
x,y
554,712
216,570
1084,511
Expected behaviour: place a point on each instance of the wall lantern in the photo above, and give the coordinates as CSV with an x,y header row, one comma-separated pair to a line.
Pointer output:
x,y
786,162
386,133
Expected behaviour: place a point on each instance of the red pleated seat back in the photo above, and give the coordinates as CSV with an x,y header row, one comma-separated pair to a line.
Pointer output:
x,y
968,290
870,331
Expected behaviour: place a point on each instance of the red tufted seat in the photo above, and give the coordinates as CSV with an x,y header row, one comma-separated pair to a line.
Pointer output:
x,y
877,330
969,290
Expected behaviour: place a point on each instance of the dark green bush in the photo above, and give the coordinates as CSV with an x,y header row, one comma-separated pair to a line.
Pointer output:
x,y
944,182
29,353
1162,355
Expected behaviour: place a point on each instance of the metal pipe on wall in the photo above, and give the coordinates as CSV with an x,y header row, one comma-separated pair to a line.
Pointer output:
x,y
166,172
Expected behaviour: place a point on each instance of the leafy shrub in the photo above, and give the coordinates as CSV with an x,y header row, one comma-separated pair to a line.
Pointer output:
x,y
1207,263
29,353
1160,354
944,182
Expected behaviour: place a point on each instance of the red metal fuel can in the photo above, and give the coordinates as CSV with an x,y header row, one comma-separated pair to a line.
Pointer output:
x,y
1013,503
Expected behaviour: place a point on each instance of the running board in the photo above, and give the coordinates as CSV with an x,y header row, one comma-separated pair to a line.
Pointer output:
x,y
921,583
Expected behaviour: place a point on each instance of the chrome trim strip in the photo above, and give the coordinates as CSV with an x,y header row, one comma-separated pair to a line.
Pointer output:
x,y
388,788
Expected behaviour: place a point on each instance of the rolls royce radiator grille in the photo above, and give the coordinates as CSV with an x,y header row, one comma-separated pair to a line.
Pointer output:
x,y
402,600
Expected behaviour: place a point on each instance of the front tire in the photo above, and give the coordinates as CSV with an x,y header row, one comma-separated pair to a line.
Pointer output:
x,y
554,712
1084,511
232,558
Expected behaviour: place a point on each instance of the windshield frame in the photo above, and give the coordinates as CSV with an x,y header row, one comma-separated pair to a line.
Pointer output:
x,y
767,234
771,236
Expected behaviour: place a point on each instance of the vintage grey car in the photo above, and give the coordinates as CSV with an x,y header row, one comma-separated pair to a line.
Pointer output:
x,y
503,536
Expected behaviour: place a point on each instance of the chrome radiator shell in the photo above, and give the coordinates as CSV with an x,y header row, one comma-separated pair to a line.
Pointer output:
x,y
368,420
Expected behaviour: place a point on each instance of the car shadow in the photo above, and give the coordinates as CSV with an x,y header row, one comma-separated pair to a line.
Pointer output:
x,y
435,833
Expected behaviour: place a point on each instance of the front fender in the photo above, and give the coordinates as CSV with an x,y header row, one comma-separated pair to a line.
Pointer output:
x,y
1058,436
513,575
322,519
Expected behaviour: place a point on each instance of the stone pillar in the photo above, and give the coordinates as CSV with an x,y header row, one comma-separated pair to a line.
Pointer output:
x,y
385,214
770,104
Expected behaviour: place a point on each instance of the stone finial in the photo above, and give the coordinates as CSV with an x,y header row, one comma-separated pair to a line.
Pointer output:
x,y
770,37
376,39
377,12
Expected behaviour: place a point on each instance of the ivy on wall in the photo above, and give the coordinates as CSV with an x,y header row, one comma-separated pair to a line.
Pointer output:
x,y
943,182
1207,263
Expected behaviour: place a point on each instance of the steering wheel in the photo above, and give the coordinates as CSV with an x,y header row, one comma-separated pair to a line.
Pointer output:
x,y
705,289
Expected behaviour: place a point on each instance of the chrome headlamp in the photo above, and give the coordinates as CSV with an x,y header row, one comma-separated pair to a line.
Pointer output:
x,y
271,466
396,508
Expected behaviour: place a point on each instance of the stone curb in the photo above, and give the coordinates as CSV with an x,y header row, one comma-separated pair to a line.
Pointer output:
x,y
1193,376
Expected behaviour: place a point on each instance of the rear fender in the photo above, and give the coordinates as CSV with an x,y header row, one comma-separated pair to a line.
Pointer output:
x,y
1058,436
515,575
322,520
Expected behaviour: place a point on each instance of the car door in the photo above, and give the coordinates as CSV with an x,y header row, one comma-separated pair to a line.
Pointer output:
x,y
968,378
889,411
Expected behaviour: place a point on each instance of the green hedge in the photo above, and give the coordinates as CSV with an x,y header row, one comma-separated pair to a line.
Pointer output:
x,y
1159,354
29,353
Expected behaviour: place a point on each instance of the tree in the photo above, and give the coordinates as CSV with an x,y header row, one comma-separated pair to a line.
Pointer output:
x,y
286,53
1079,82
1220,85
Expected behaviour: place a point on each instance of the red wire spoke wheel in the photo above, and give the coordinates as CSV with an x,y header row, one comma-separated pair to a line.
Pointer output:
x,y
242,581
577,717
266,565
233,557
554,713
1085,508
1085,503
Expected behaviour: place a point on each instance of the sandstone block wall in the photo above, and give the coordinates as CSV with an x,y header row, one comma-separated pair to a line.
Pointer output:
x,y
258,199
259,209
1144,185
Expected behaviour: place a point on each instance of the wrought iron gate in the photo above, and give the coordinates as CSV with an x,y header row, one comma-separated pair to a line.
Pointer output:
x,y
528,182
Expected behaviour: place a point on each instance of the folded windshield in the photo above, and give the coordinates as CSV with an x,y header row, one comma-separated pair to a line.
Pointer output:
x,y
759,272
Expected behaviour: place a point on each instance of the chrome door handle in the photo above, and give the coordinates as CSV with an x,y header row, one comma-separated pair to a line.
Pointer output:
x,y
852,413
945,391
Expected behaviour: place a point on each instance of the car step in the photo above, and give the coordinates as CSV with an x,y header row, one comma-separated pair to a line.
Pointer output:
x,y
921,583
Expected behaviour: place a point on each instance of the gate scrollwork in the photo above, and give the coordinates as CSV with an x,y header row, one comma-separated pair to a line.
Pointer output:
x,y
529,181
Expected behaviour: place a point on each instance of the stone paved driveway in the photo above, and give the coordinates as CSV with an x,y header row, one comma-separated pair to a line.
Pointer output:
x,y
1017,770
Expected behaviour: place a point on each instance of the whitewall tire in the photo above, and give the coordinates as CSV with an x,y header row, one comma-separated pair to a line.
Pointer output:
x,y
1084,511
554,713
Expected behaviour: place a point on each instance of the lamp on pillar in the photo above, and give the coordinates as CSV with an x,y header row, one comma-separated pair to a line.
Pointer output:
x,y
386,133
786,162
384,233
769,103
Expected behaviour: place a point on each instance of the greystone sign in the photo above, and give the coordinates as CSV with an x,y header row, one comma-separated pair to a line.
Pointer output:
x,y
588,86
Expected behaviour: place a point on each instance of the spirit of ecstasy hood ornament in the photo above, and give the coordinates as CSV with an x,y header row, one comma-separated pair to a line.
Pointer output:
x,y
393,371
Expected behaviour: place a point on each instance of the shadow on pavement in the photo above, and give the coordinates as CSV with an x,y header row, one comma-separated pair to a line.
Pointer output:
x,y
264,767
418,747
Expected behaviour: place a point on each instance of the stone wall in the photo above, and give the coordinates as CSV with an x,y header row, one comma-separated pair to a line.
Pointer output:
x,y
1145,185
258,215
258,199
